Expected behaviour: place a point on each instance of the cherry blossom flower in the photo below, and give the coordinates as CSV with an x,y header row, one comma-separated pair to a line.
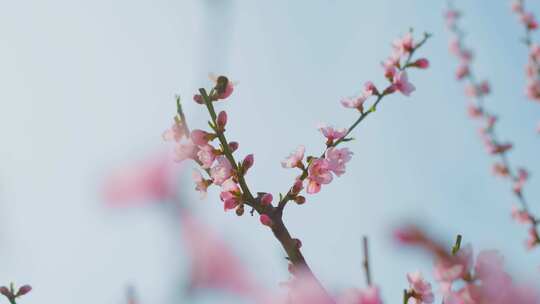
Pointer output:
x,y
337,158
221,171
152,179
200,137
370,295
404,45
230,194
206,155
331,133
213,264
200,183
421,290
318,174
185,150
295,158
354,102
521,216
402,84
175,133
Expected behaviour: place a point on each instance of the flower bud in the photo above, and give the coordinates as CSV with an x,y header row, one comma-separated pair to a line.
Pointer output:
x,y
23,290
369,87
266,220
297,187
266,199
421,63
300,199
222,120
233,146
198,99
298,243
6,292
248,162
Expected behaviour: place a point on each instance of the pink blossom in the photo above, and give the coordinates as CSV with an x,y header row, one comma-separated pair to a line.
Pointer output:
x,y
535,52
200,183
495,148
484,87
175,133
449,270
230,194
533,239
370,295
454,46
332,134
451,16
402,84
522,177
465,56
185,150
533,89
354,102
471,91
370,88
421,289
149,180
404,45
200,137
501,170
462,71
221,171
517,6
213,264
474,111
488,263
337,158
318,174
528,20
521,216
206,155
266,220
294,159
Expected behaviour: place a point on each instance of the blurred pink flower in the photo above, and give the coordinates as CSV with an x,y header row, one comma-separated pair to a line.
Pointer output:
x,y
318,174
295,158
152,179
402,84
213,264
421,289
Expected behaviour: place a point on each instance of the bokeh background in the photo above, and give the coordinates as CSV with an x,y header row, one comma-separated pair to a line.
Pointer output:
x,y
88,86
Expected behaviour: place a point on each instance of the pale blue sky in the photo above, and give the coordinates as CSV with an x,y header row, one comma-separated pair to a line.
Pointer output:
x,y
89,85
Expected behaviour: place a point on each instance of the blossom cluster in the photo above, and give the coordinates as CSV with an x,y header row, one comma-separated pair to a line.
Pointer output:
x,y
462,278
476,92
532,68
218,161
